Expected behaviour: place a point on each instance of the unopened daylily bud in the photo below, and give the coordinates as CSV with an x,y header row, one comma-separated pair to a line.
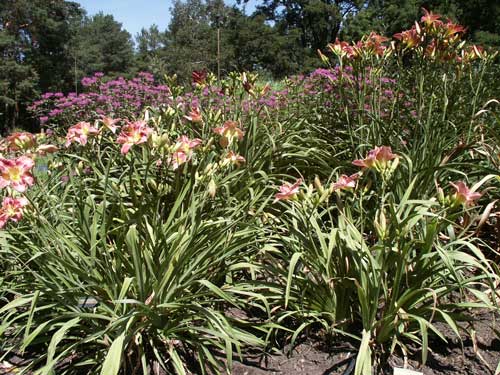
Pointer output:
x,y
318,185
440,195
324,196
152,184
381,225
212,188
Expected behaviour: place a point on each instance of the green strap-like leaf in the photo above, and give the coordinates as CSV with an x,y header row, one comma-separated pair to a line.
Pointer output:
x,y
113,359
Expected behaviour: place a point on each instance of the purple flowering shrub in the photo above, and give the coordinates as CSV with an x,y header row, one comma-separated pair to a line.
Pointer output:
x,y
322,91
117,98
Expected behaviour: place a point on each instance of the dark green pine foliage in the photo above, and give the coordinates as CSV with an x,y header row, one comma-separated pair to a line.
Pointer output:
x,y
101,45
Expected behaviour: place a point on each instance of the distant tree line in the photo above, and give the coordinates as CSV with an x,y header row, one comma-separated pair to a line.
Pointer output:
x,y
50,45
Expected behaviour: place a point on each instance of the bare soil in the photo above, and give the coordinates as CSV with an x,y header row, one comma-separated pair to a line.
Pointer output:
x,y
480,355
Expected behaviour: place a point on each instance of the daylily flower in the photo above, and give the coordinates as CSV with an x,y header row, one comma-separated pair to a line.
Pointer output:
x,y
109,123
342,49
429,18
233,158
345,182
80,132
373,44
194,115
377,158
21,141
183,150
178,158
199,77
410,38
16,173
288,191
133,133
229,131
12,209
463,194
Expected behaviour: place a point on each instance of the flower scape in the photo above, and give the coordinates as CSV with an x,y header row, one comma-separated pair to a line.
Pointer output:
x,y
153,228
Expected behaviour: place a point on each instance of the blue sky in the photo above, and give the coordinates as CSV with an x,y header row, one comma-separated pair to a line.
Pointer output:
x,y
133,14
136,14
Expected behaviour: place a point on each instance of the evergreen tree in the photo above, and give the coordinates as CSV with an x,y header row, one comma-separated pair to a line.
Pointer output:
x,y
101,45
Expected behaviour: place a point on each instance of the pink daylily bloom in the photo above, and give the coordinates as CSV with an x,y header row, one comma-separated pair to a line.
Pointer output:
x,y
12,209
183,150
463,194
187,144
228,131
234,158
110,123
133,133
345,182
194,115
376,158
288,191
21,141
16,173
178,158
80,132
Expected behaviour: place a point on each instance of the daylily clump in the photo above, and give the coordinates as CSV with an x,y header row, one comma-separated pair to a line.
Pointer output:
x,y
12,209
288,191
80,133
133,133
16,173
229,131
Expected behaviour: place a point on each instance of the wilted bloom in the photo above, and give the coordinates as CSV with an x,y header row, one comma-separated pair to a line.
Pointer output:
x,y
110,123
288,191
345,182
16,173
463,194
229,131
377,158
183,150
46,149
21,141
233,158
133,133
194,115
80,132
12,209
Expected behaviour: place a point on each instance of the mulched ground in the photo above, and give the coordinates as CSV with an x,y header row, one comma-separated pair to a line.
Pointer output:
x,y
311,358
